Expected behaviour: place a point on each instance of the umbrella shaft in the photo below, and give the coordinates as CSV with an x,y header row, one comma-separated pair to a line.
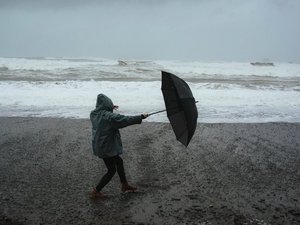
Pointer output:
x,y
150,114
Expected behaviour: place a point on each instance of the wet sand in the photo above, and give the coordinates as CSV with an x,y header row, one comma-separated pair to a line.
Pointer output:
x,y
230,174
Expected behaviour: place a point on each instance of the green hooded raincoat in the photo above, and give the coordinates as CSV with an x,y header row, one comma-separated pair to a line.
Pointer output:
x,y
106,138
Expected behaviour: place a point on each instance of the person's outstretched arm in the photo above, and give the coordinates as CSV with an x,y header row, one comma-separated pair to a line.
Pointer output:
x,y
120,121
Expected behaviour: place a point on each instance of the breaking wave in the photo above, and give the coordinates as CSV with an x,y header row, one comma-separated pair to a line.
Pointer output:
x,y
226,91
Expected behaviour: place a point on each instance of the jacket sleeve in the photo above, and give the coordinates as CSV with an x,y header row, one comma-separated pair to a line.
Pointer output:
x,y
120,121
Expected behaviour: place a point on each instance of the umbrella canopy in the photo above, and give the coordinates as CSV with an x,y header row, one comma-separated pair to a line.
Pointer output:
x,y
181,107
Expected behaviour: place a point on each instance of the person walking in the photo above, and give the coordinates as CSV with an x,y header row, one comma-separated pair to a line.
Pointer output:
x,y
106,141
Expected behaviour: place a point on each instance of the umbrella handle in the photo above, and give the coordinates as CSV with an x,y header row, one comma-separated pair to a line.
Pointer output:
x,y
150,114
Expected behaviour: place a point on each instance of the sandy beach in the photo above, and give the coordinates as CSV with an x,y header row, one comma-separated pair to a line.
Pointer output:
x,y
230,174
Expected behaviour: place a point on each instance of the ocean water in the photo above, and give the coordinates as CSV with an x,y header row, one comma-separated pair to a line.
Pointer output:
x,y
225,91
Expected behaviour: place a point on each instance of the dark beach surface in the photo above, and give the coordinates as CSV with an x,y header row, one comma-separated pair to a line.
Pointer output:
x,y
230,174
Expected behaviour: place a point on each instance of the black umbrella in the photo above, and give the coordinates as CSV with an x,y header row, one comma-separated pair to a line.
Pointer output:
x,y
180,106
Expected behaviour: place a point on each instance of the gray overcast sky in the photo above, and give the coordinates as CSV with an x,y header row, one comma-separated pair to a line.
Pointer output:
x,y
240,30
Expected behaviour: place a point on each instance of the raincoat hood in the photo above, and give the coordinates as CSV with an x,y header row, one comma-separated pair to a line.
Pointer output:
x,y
104,103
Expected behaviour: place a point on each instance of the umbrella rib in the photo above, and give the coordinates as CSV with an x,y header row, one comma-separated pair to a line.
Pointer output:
x,y
182,133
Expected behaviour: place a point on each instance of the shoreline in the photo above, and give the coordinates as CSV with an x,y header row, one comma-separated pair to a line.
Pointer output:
x,y
231,173
149,122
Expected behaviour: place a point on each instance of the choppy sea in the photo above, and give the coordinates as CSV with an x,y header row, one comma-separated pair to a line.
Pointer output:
x,y
225,91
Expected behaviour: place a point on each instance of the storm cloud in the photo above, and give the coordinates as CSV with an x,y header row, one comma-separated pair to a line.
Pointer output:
x,y
152,29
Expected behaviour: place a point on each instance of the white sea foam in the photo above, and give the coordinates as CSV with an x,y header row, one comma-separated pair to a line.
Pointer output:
x,y
77,98
227,92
